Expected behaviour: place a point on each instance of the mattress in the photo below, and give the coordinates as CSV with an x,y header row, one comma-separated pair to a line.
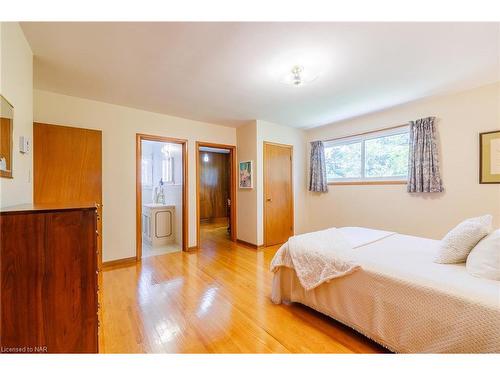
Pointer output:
x,y
403,300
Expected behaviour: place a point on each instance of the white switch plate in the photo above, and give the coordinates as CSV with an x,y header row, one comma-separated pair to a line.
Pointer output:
x,y
24,144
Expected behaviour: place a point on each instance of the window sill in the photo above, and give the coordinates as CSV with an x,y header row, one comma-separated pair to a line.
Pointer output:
x,y
384,182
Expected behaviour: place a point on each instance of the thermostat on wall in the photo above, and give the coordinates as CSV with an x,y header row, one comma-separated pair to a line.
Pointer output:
x,y
24,144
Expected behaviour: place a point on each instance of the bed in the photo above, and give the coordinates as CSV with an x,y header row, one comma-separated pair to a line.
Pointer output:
x,y
400,298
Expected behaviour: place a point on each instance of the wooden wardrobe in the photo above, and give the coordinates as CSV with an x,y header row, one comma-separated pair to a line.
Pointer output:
x,y
50,252
48,276
67,168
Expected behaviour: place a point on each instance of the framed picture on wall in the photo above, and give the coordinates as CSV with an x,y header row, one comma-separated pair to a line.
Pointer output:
x,y
246,174
489,157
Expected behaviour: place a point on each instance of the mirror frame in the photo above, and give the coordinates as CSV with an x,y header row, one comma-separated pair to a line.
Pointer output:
x,y
6,103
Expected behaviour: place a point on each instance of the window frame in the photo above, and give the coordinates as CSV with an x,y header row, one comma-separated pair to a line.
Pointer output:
x,y
362,138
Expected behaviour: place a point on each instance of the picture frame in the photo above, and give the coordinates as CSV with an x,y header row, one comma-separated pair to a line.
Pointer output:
x,y
6,137
489,157
245,173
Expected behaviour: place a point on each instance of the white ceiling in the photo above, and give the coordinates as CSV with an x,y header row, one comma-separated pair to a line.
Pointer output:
x,y
229,73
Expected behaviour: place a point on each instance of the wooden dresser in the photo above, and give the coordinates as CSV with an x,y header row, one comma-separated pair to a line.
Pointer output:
x,y
48,271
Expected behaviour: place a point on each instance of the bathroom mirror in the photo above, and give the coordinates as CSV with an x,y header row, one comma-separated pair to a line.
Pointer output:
x,y
6,129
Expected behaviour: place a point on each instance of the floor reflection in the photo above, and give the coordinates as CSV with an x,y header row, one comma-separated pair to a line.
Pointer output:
x,y
214,300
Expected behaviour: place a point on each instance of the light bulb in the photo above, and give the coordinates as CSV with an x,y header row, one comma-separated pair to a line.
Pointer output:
x,y
298,76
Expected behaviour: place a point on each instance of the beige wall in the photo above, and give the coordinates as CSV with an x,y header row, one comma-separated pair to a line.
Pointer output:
x,y
247,198
119,126
460,119
16,85
251,138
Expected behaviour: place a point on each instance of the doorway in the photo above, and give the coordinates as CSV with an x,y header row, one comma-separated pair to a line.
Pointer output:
x,y
215,192
161,195
278,193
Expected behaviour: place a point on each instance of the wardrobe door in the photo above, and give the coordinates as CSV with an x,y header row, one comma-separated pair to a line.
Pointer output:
x,y
21,268
70,282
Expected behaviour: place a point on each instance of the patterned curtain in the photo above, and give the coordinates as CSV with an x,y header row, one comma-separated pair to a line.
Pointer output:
x,y
317,170
423,164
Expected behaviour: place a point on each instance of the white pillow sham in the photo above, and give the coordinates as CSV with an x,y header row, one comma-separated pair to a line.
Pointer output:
x,y
458,242
484,260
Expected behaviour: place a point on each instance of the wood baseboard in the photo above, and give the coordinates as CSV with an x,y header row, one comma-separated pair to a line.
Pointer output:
x,y
251,245
192,248
118,263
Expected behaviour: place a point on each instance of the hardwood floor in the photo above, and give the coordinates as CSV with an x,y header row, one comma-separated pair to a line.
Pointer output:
x,y
215,300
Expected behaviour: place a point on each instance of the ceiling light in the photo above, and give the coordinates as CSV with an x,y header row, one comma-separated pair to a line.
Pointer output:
x,y
166,150
298,76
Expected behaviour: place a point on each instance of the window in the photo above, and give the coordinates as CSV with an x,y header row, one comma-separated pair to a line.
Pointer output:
x,y
378,156
167,166
147,172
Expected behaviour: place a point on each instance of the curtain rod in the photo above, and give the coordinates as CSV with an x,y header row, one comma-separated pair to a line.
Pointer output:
x,y
364,133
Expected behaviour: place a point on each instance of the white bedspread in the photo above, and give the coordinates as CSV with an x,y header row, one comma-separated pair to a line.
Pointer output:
x,y
318,257
403,300
358,236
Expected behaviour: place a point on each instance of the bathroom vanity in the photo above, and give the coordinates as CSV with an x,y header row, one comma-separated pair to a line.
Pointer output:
x,y
158,224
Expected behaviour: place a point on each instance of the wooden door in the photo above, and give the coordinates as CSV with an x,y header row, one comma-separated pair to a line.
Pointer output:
x,y
278,193
68,168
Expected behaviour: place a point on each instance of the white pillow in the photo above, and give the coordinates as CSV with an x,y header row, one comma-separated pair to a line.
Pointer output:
x,y
459,241
484,260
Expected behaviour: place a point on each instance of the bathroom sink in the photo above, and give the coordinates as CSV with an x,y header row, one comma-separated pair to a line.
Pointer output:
x,y
159,205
